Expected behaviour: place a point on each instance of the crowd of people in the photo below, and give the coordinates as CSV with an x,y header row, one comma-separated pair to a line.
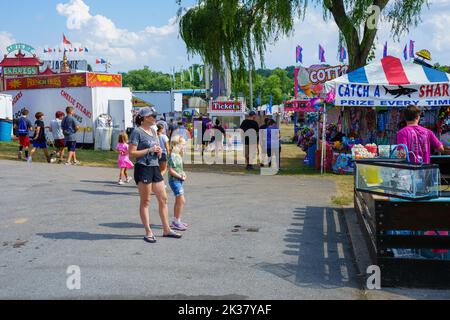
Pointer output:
x,y
63,129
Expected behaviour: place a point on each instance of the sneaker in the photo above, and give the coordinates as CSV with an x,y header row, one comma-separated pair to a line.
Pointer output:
x,y
129,179
68,164
29,159
120,183
178,226
77,163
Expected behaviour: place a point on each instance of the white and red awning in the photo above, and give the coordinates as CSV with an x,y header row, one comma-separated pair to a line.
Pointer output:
x,y
391,83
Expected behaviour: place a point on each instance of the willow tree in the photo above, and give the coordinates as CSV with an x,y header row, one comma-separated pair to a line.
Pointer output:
x,y
240,29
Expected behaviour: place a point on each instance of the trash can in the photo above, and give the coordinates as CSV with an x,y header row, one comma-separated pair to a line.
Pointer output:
x,y
103,139
5,130
115,138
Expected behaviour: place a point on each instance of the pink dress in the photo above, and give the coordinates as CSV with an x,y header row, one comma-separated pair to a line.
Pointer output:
x,y
124,161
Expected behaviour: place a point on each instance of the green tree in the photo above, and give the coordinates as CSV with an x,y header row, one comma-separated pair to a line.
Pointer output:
x,y
147,80
238,29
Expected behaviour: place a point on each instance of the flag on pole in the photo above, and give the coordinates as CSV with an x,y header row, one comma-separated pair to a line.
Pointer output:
x,y
411,49
270,105
405,52
45,51
75,49
299,55
100,61
49,50
342,54
385,50
66,41
80,50
86,50
321,54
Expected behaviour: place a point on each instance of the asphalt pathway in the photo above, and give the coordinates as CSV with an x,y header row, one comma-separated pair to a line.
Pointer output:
x,y
251,237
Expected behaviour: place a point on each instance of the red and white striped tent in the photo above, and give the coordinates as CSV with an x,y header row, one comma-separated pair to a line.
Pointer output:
x,y
391,82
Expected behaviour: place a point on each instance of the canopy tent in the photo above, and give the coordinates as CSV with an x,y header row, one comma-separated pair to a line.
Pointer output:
x,y
391,82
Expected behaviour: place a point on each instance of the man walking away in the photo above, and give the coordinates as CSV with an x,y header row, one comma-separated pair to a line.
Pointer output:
x,y
70,128
250,128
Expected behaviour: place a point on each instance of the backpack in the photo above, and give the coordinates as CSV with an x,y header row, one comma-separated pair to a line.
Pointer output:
x,y
22,129
67,131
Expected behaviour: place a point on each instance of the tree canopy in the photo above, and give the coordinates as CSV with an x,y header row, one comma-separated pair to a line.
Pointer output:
x,y
240,29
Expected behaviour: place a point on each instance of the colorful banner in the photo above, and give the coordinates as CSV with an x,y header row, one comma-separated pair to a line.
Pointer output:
x,y
104,80
65,81
432,95
45,82
309,81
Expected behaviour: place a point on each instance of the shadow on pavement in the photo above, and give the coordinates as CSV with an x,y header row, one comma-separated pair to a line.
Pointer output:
x,y
127,225
107,193
86,236
99,182
317,238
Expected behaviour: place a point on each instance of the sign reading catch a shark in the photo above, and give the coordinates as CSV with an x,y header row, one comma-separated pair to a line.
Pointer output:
x,y
353,94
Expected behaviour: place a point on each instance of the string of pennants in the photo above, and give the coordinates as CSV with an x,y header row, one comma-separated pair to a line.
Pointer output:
x,y
322,58
408,53
66,48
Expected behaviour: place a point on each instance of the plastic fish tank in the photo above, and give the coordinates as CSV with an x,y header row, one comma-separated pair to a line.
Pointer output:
x,y
398,179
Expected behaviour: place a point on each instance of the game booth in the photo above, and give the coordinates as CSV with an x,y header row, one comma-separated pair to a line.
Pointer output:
x,y
93,95
403,205
306,109
231,114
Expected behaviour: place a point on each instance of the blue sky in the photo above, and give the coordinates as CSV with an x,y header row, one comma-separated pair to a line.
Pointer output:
x,y
135,33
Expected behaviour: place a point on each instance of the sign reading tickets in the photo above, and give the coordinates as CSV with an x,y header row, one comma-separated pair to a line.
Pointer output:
x,y
226,106
364,95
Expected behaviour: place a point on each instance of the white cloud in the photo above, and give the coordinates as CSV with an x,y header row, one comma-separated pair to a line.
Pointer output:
x,y
77,13
123,48
6,39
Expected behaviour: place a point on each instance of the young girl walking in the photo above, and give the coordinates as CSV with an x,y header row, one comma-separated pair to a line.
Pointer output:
x,y
124,162
177,178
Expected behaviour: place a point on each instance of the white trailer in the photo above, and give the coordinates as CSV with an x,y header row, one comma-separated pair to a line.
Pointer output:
x,y
6,108
164,101
89,104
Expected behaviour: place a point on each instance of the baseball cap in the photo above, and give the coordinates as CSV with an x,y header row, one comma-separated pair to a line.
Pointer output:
x,y
148,112
252,113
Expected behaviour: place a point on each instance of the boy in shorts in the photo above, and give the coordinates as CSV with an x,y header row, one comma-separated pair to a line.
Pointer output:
x,y
22,128
70,128
39,139
58,135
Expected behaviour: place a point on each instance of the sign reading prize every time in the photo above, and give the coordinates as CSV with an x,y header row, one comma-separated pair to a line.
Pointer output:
x,y
393,96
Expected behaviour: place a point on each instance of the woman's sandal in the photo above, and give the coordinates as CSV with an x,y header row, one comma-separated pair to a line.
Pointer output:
x,y
150,239
173,235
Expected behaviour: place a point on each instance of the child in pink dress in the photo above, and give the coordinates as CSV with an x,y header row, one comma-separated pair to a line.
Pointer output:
x,y
124,159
